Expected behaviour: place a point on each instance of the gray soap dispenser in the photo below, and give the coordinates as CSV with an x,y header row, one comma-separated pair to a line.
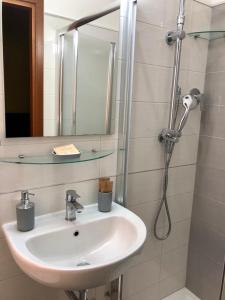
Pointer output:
x,y
25,212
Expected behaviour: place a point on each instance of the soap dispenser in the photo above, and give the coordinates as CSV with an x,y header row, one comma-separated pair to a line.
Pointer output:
x,y
25,212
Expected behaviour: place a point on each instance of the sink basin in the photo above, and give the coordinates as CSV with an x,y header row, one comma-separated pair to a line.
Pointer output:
x,y
80,254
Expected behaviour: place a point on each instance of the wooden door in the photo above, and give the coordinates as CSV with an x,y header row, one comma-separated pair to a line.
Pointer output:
x,y
36,62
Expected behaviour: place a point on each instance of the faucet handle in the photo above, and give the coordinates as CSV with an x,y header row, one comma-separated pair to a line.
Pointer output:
x,y
71,195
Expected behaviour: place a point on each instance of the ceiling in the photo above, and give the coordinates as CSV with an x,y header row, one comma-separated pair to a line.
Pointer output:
x,y
76,9
212,2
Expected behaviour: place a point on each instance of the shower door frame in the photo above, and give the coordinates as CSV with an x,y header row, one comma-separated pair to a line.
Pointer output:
x,y
126,59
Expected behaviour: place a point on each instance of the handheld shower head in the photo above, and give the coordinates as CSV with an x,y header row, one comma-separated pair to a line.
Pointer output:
x,y
189,102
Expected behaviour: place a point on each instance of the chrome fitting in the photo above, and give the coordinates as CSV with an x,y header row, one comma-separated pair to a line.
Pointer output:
x,y
168,138
169,135
72,205
172,36
180,20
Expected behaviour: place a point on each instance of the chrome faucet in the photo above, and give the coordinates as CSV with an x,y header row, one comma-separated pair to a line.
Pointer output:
x,y
72,205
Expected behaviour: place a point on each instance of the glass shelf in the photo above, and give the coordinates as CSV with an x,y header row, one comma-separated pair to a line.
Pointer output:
x,y
52,159
208,35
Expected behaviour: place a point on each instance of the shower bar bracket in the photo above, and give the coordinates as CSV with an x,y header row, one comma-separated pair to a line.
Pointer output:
x,y
169,135
172,36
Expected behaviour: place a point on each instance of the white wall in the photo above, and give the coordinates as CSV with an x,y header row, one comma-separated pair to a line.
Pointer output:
x,y
76,9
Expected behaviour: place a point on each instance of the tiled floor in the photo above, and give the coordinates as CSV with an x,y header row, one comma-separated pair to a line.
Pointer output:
x,y
183,294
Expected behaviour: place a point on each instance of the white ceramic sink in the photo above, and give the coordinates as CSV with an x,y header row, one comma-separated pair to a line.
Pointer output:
x,y
80,254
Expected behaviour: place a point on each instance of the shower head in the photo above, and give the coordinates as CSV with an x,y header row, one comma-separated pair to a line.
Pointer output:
x,y
189,102
192,100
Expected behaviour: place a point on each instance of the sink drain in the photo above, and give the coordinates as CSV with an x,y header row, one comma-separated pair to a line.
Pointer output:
x,y
76,233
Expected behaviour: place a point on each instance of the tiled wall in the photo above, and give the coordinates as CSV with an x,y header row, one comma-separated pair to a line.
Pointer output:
x,y
161,267
207,243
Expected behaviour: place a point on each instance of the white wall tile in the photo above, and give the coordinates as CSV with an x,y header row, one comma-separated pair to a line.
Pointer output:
x,y
108,165
198,54
181,205
148,154
146,211
151,249
179,236
27,289
148,119
151,83
17,177
201,17
194,54
216,61
191,79
150,11
151,293
150,46
141,277
172,284
147,186
173,262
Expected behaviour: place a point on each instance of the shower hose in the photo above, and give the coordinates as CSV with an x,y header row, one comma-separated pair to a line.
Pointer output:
x,y
164,201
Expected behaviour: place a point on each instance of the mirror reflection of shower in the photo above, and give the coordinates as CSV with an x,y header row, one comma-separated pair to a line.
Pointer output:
x,y
171,135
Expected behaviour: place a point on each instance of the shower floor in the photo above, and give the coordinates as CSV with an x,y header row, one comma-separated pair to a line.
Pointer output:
x,y
183,294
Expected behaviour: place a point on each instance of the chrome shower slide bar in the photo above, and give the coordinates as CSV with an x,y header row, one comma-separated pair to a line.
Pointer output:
x,y
176,69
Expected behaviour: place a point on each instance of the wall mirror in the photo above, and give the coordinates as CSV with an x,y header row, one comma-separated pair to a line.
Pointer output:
x,y
59,79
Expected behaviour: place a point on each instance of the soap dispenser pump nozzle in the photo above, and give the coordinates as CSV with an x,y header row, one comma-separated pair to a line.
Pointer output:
x,y
25,197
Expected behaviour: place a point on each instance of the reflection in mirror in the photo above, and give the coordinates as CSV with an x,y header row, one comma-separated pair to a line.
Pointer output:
x,y
76,95
87,80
